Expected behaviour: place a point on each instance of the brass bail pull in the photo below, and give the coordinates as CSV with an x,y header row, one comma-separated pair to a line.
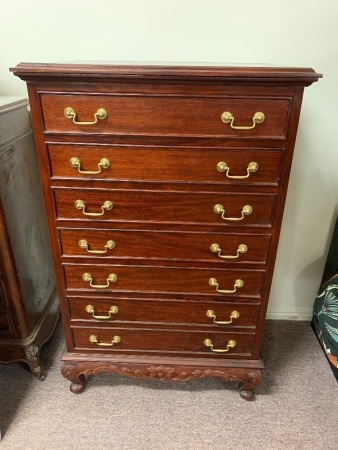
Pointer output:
x,y
215,248
257,118
71,114
223,167
94,340
212,315
88,278
76,163
237,285
85,246
112,310
231,344
246,211
80,204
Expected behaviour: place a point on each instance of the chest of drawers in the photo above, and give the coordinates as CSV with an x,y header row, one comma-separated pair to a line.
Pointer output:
x,y
164,188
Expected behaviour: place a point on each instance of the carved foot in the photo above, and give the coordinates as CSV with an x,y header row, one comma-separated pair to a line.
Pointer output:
x,y
250,382
77,388
70,371
33,360
246,395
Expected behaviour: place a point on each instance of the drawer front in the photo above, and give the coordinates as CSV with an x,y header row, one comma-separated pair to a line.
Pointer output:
x,y
165,207
166,280
167,115
138,340
216,314
157,245
218,166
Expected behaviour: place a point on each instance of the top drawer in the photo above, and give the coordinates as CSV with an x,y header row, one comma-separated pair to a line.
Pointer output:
x,y
167,115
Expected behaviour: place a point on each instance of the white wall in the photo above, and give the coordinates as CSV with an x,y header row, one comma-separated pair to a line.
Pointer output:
x,y
300,33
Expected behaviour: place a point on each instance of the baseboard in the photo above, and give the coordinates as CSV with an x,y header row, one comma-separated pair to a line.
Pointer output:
x,y
289,315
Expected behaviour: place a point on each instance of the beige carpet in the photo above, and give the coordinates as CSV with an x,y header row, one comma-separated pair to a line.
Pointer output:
x,y
295,408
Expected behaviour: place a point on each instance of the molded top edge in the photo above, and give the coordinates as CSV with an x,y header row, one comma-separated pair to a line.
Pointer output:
x,y
255,72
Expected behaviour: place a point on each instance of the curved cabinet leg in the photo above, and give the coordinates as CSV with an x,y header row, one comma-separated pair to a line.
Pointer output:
x,y
251,380
32,357
71,371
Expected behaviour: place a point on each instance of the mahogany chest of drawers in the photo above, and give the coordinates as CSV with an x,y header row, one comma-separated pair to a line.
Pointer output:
x,y
164,188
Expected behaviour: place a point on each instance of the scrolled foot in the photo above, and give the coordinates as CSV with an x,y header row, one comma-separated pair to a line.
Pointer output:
x,y
33,360
39,374
251,381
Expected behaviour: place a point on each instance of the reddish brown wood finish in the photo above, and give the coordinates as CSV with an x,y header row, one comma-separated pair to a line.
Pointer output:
x,y
164,341
170,115
187,313
166,164
169,280
163,245
164,138
157,207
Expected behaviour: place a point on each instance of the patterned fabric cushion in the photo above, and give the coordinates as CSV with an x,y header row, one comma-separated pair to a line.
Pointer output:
x,y
325,319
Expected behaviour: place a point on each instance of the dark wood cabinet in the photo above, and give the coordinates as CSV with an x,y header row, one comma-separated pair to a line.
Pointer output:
x,y
28,301
165,188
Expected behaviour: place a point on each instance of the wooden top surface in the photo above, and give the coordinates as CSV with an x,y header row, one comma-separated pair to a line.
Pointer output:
x,y
211,71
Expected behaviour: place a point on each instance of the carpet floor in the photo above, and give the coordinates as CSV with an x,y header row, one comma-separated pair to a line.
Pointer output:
x,y
295,407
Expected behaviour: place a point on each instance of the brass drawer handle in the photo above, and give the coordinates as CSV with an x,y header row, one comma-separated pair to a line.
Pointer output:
x,y
246,211
215,248
80,204
223,167
112,310
231,344
94,340
237,285
108,246
88,278
227,117
71,114
76,163
211,314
